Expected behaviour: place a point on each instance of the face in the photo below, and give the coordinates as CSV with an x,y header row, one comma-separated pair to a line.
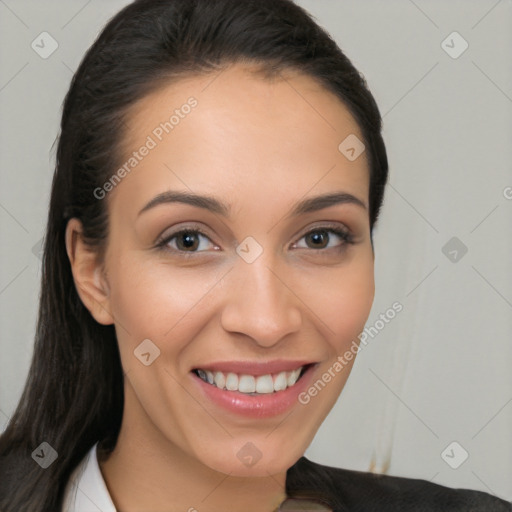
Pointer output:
x,y
243,288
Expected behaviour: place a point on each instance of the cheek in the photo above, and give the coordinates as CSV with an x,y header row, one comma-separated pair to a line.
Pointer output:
x,y
343,302
151,300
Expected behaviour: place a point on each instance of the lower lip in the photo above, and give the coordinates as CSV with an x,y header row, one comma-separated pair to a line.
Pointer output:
x,y
256,406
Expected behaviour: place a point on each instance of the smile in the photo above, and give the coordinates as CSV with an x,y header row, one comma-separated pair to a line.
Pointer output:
x,y
251,384
254,390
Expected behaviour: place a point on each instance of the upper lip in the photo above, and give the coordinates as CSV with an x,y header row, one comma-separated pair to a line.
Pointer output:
x,y
253,367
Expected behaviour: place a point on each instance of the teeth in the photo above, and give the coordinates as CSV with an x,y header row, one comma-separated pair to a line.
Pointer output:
x,y
291,377
250,384
280,381
220,380
246,384
264,384
232,382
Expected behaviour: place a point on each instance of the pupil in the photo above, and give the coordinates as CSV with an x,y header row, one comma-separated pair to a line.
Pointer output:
x,y
188,240
319,237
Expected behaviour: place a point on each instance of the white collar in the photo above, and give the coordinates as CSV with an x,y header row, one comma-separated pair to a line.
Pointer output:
x,y
86,490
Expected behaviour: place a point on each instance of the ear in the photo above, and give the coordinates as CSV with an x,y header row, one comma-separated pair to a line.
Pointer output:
x,y
88,273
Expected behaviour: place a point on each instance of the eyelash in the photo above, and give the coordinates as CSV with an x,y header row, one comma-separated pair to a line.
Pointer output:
x,y
343,234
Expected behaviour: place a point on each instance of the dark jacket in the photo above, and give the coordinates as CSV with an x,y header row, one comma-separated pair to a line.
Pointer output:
x,y
357,491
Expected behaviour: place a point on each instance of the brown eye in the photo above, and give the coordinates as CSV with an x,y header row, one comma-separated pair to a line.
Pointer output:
x,y
320,238
187,242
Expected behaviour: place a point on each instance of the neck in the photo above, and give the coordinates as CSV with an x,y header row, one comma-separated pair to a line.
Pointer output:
x,y
146,471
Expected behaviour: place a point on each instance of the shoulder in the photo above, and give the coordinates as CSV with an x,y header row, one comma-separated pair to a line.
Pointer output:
x,y
361,491
86,489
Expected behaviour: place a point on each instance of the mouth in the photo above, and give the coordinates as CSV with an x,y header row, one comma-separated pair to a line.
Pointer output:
x,y
254,391
252,385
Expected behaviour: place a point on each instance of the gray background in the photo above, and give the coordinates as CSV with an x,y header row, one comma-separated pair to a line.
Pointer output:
x,y
439,372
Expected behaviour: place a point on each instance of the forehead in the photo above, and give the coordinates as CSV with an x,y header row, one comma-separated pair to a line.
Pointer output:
x,y
236,133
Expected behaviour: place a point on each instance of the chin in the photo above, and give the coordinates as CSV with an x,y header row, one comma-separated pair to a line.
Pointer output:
x,y
258,456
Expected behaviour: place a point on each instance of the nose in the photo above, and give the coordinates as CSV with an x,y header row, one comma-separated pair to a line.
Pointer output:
x,y
260,303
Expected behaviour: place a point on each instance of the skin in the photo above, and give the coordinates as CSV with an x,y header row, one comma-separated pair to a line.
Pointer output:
x,y
261,146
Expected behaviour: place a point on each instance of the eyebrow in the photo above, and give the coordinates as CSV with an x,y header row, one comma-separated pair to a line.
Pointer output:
x,y
206,202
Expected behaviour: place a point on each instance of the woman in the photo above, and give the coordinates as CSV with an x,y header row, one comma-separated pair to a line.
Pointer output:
x,y
208,257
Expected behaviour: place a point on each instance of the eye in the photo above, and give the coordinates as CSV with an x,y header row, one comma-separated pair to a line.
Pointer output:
x,y
319,238
189,241
186,241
